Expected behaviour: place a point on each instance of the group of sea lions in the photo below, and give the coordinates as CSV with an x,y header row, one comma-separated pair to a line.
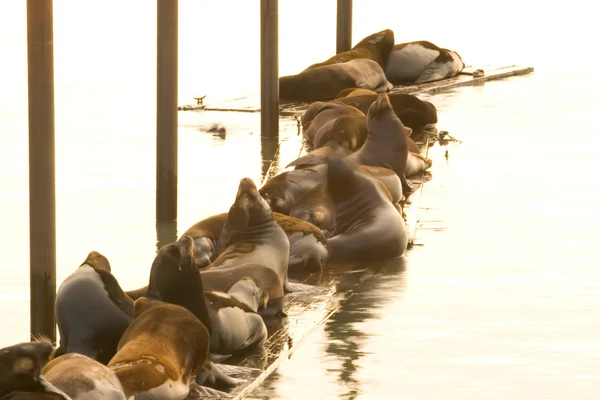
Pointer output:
x,y
374,63
210,292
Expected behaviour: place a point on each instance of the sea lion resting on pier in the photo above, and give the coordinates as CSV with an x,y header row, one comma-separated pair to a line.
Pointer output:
x,y
367,225
21,372
81,377
340,122
376,47
236,324
92,311
308,246
251,235
325,82
162,351
420,62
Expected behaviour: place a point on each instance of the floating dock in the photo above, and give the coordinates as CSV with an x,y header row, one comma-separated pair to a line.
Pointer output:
x,y
330,288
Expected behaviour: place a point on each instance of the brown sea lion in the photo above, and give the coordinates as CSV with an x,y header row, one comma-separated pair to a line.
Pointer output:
x,y
251,235
420,62
283,190
316,207
325,82
367,225
386,144
83,378
92,311
376,46
317,156
412,111
328,112
174,278
349,132
162,351
21,372
354,92
309,115
236,324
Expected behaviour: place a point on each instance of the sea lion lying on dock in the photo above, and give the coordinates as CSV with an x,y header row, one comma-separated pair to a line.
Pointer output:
x,y
83,378
162,351
367,225
420,62
376,47
325,82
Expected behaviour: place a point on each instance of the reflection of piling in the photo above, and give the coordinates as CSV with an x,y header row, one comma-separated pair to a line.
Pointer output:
x,y
166,233
269,69
42,203
344,25
166,110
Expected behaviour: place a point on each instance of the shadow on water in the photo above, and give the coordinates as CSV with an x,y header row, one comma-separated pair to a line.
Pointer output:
x,y
370,293
166,233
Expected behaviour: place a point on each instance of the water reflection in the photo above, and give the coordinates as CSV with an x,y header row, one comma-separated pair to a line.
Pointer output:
x,y
166,232
269,154
370,293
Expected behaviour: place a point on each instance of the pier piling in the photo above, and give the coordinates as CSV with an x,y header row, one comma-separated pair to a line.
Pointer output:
x,y
42,192
269,69
344,25
166,110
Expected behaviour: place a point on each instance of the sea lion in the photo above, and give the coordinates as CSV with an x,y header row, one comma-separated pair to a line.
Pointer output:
x,y
376,47
21,372
283,190
175,279
317,156
412,111
81,377
237,326
416,165
420,62
309,115
325,82
328,112
205,234
251,235
354,92
308,244
316,207
217,279
92,311
161,352
367,225
386,144
348,132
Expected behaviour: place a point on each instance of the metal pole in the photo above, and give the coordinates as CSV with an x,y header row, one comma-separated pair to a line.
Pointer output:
x,y
344,25
42,197
269,69
166,110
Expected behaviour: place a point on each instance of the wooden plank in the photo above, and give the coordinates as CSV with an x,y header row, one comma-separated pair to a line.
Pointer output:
x,y
291,108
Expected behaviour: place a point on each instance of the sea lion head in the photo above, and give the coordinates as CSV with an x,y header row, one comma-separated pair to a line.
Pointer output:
x,y
383,41
384,125
21,365
175,279
97,261
250,208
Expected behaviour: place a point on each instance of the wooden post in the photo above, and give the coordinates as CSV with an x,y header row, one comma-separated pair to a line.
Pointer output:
x,y
269,69
268,155
42,196
344,25
166,110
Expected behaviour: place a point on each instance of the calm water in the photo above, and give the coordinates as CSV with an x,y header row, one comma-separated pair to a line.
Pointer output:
x,y
499,301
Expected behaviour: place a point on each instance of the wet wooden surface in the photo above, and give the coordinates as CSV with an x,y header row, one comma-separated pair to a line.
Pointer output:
x,y
288,108
326,291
